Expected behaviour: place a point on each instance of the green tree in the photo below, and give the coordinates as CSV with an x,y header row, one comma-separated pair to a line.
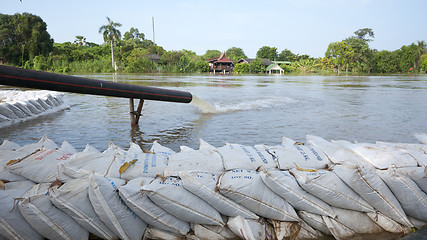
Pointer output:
x,y
408,57
387,62
22,37
361,34
111,34
267,52
235,54
423,63
256,66
211,54
286,55
241,68
80,40
340,53
420,50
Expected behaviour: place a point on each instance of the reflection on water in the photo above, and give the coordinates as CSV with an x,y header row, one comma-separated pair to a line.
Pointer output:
x,y
241,109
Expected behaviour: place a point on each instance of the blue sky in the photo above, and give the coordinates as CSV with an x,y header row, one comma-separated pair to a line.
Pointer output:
x,y
302,26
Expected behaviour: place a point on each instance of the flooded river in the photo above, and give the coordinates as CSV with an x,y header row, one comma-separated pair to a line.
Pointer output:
x,y
241,109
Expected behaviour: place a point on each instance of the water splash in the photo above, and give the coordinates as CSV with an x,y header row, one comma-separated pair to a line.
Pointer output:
x,y
204,106
244,105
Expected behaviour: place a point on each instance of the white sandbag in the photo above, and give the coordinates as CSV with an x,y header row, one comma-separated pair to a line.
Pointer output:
x,y
315,221
337,153
382,157
357,221
418,224
371,188
149,212
327,186
155,233
135,163
387,223
73,199
209,232
240,226
12,224
41,165
410,196
9,145
206,159
6,111
83,163
291,154
10,156
203,185
45,218
236,156
337,229
421,137
293,230
417,174
247,188
159,149
170,195
285,185
105,199
23,107
418,151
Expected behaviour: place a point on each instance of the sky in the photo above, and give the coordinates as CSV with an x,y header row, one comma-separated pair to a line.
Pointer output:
x,y
302,26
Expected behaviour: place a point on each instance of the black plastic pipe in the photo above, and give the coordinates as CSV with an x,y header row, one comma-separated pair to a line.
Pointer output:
x,y
57,82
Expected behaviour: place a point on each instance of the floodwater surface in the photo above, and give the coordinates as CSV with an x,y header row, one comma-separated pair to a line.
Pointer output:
x,y
249,110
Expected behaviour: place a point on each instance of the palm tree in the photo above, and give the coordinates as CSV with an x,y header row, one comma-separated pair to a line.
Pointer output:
x,y
111,34
420,50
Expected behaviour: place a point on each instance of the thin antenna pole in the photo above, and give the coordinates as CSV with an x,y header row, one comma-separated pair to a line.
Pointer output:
x,y
154,37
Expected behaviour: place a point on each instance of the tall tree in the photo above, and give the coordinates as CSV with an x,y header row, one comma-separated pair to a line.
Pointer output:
x,y
211,54
421,49
286,55
235,53
22,37
80,40
267,52
361,34
111,34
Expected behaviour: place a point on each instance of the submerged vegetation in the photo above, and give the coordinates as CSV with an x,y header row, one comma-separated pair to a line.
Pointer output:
x,y
25,42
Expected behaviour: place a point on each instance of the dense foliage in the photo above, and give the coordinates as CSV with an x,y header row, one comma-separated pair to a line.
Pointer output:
x,y
25,42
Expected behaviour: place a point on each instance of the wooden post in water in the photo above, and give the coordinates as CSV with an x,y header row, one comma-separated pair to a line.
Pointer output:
x,y
135,115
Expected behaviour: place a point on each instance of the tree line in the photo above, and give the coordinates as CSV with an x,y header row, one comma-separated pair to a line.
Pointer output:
x,y
25,42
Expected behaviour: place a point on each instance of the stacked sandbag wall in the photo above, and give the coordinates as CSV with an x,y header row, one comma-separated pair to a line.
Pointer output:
x,y
334,189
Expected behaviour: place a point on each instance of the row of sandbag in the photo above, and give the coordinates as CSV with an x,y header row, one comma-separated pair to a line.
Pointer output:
x,y
24,105
122,164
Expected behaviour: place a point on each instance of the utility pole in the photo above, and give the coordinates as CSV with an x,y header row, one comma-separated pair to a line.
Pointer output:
x,y
154,36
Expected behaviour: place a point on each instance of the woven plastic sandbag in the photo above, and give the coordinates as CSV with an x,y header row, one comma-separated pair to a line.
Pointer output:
x,y
410,196
236,156
73,199
105,199
36,207
12,223
147,210
327,186
291,154
285,185
203,185
206,159
170,195
40,166
135,163
247,188
371,188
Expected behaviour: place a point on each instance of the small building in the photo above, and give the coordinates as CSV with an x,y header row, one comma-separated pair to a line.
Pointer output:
x,y
270,66
221,64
